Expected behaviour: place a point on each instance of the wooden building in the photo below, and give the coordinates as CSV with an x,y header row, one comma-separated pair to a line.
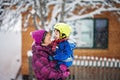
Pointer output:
x,y
113,50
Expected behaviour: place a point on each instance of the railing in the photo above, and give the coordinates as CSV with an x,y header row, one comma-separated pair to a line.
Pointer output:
x,y
94,68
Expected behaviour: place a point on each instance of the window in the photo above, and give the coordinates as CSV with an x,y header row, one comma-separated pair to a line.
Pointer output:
x,y
90,33
101,33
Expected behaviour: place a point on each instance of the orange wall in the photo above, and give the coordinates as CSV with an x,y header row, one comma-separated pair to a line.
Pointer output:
x,y
26,45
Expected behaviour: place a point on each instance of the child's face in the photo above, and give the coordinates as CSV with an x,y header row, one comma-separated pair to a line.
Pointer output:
x,y
47,39
57,34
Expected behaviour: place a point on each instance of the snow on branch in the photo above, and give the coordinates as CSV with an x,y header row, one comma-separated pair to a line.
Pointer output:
x,y
9,15
53,20
98,11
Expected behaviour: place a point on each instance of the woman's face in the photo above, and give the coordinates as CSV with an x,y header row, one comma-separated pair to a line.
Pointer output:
x,y
57,34
47,39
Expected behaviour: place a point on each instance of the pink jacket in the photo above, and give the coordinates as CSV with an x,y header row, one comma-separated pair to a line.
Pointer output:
x,y
43,68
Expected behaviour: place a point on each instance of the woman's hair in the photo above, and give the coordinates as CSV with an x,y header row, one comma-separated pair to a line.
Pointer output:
x,y
45,33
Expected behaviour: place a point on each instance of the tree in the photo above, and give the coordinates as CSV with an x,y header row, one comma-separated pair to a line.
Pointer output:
x,y
63,10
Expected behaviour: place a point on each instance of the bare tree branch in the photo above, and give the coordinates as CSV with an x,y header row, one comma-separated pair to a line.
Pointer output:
x,y
98,11
62,11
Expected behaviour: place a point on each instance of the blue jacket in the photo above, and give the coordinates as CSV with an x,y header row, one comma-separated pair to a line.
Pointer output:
x,y
63,52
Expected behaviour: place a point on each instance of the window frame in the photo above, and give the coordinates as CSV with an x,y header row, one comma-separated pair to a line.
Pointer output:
x,y
94,32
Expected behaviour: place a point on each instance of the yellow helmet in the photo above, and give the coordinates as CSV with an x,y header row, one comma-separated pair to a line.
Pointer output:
x,y
64,29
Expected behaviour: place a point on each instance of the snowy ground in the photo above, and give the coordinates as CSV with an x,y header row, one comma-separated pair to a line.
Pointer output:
x,y
10,53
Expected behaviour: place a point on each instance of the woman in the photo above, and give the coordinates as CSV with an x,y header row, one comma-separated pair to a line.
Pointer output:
x,y
44,68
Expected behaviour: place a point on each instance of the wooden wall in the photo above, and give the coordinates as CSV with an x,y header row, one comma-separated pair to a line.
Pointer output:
x,y
113,42
26,45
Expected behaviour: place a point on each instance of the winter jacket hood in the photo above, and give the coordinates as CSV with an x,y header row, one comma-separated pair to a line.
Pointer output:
x,y
38,35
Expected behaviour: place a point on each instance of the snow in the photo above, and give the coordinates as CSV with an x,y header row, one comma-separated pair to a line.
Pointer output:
x,y
33,11
26,20
23,6
9,20
29,53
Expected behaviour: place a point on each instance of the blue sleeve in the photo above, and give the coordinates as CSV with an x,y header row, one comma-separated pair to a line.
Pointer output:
x,y
63,52
72,45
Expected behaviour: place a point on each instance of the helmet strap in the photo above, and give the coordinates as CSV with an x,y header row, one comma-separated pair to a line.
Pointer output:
x,y
62,36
